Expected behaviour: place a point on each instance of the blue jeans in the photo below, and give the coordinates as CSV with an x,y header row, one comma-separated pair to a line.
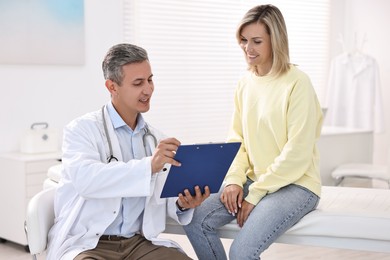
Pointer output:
x,y
272,216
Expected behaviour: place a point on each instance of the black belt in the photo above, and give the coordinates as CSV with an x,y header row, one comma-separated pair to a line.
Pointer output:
x,y
113,238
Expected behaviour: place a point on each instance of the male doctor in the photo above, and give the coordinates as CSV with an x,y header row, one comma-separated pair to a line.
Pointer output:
x,y
111,209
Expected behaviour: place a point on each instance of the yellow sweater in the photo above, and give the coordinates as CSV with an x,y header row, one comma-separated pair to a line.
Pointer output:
x,y
278,121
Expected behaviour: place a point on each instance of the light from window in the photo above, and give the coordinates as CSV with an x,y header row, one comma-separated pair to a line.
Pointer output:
x,y
197,62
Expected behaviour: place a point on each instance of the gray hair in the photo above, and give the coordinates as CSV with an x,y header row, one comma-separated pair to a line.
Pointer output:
x,y
120,55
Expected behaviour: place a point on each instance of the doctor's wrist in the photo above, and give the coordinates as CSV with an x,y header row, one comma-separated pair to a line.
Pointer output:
x,y
180,207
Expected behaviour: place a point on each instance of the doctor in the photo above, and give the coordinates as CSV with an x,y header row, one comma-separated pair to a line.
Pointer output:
x,y
108,203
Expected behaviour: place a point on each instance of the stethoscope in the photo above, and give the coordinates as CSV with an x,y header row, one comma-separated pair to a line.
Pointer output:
x,y
144,139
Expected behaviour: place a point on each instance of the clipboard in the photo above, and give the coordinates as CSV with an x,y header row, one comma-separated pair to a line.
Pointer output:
x,y
202,165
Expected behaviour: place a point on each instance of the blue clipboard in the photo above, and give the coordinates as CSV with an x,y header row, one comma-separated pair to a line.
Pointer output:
x,y
202,165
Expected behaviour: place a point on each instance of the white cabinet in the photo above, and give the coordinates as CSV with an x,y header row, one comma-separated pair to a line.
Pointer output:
x,y
21,177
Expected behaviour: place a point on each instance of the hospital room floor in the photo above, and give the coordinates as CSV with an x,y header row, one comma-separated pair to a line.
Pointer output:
x,y
11,251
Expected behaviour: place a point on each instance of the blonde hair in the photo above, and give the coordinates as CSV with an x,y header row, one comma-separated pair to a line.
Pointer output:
x,y
271,17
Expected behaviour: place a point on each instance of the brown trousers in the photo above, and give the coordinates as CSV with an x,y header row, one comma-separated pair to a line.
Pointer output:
x,y
134,248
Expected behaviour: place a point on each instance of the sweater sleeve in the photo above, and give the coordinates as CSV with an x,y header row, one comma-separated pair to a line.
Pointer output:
x,y
240,164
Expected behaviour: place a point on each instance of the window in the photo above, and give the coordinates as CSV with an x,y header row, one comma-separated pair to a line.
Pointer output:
x,y
197,62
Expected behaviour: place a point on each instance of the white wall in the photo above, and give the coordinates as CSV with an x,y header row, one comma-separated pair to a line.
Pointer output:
x,y
57,94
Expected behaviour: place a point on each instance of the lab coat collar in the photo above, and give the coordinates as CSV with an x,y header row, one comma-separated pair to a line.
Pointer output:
x,y
357,60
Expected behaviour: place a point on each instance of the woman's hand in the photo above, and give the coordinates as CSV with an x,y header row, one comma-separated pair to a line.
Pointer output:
x,y
164,153
232,197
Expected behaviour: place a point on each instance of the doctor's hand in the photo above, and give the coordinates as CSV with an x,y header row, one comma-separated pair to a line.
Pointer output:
x,y
232,197
187,201
164,153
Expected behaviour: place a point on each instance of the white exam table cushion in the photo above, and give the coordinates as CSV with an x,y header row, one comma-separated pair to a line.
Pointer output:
x,y
346,217
54,175
349,212
54,172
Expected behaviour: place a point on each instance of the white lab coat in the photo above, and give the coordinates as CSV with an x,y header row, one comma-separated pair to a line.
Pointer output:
x,y
354,97
89,195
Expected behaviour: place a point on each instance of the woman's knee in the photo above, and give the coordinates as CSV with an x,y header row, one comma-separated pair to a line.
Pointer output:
x,y
238,251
